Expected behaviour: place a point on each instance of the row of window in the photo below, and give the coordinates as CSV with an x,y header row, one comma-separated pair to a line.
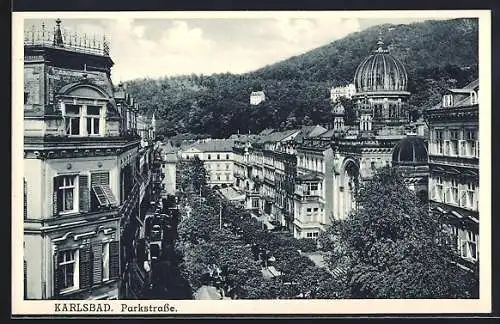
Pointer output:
x,y
217,166
459,148
455,142
219,177
312,234
310,163
312,211
209,156
89,265
455,193
448,100
310,188
469,134
312,214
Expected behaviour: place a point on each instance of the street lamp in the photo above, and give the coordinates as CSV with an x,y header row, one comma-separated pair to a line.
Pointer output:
x,y
220,215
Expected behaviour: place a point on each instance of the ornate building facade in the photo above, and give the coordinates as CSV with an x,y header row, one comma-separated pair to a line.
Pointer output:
x,y
454,167
81,161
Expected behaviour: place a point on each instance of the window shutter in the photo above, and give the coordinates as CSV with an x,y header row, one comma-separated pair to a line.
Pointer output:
x,y
58,275
55,193
105,178
83,182
97,262
85,267
100,178
114,260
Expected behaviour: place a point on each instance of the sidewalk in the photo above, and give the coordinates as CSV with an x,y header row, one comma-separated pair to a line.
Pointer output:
x,y
319,261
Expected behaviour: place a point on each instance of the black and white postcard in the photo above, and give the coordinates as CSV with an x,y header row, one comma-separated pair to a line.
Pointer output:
x,y
251,162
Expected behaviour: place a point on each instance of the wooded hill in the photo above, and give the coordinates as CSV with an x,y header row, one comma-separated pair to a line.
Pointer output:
x,y
437,55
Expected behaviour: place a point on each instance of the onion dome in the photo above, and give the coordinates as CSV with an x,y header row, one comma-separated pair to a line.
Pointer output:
x,y
338,110
411,150
380,72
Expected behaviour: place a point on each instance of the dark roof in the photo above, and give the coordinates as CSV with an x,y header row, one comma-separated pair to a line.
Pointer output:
x,y
215,145
309,131
277,136
328,134
410,150
473,85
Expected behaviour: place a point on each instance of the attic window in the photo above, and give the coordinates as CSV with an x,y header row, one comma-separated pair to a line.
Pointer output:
x,y
473,98
447,100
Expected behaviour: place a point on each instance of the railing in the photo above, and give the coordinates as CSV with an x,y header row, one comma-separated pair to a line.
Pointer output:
x,y
72,41
309,223
308,198
133,198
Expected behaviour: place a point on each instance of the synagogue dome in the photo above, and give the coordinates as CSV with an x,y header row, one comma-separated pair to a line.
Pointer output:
x,y
380,72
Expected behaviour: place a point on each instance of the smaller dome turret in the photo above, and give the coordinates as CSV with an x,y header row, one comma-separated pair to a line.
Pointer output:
x,y
338,110
411,150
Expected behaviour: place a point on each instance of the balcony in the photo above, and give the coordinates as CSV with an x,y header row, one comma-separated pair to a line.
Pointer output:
x,y
310,224
309,198
146,179
128,206
252,193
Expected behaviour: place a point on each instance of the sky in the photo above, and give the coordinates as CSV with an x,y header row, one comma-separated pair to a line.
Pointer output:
x,y
144,47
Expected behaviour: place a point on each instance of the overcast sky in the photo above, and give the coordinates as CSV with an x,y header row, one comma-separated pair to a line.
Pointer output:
x,y
144,47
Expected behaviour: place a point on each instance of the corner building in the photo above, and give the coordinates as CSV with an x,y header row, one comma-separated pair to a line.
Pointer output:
x,y
80,168
454,168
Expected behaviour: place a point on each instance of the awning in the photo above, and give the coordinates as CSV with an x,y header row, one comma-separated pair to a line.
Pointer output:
x,y
311,176
457,214
232,194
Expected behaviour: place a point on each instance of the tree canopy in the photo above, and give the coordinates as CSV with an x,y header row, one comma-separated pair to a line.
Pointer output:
x,y
394,248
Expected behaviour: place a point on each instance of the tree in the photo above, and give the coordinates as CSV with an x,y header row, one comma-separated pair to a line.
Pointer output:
x,y
394,248
193,175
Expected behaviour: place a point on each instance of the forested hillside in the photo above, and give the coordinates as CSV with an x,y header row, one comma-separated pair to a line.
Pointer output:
x,y
437,54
